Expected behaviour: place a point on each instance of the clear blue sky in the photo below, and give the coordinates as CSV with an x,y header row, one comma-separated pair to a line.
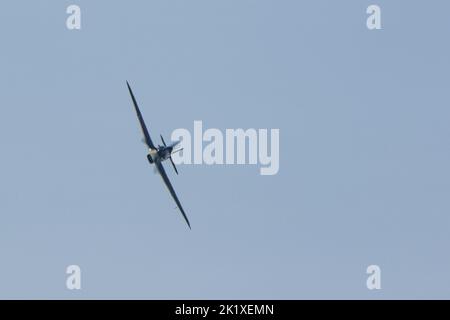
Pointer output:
x,y
364,140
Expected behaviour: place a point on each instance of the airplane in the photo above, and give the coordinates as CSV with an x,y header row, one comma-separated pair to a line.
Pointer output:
x,y
156,155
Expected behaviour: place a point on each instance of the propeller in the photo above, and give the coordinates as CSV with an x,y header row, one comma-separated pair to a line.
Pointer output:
x,y
170,157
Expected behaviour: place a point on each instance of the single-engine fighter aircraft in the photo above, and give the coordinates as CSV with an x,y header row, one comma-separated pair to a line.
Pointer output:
x,y
156,155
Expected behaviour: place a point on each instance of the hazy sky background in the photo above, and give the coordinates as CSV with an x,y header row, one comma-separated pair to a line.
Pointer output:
x,y
364,140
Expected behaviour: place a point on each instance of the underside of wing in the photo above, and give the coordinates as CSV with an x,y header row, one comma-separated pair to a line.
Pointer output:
x,y
147,138
166,180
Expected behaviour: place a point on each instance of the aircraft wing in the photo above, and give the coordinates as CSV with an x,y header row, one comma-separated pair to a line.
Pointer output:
x,y
148,140
166,180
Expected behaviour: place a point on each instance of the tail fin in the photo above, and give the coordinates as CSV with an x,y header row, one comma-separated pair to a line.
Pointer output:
x,y
171,160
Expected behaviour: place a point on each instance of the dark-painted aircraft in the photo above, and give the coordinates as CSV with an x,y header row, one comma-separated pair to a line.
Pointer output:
x,y
156,155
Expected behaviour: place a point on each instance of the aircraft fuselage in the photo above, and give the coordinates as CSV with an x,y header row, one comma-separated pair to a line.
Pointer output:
x,y
162,153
